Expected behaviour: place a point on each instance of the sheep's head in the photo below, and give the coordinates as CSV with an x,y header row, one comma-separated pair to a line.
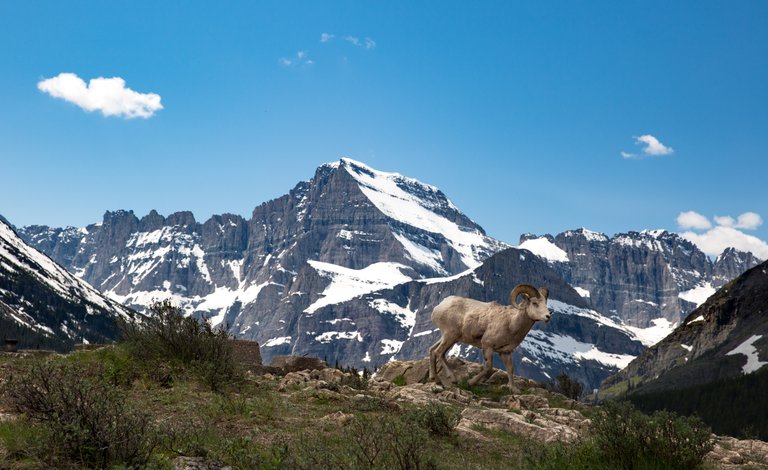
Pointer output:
x,y
534,301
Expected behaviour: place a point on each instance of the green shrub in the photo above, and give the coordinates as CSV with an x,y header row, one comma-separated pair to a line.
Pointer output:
x,y
84,419
168,336
438,419
629,439
389,441
399,380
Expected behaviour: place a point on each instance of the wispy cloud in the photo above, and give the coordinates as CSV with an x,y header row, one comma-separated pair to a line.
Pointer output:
x,y
366,43
301,58
326,37
651,146
713,240
110,96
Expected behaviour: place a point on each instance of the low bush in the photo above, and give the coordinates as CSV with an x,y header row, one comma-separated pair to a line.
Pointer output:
x,y
630,439
84,419
168,336
438,419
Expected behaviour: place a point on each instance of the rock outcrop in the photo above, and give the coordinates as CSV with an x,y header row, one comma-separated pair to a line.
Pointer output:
x,y
640,277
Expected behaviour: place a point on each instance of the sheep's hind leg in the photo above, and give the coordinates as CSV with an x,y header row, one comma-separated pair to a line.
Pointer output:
x,y
433,359
487,367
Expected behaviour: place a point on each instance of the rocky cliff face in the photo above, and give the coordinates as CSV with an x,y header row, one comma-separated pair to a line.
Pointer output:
x,y
724,337
43,305
653,277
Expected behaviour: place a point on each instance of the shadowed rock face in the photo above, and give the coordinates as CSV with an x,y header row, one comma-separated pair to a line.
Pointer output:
x,y
642,276
697,352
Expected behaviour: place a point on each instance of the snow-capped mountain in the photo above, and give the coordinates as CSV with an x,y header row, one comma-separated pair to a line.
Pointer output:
x,y
348,231
43,305
725,337
649,278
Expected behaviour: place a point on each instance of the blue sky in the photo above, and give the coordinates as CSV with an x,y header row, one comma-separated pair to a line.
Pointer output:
x,y
520,112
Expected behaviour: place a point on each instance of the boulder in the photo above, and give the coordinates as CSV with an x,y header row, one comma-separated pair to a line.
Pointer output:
x,y
529,425
532,402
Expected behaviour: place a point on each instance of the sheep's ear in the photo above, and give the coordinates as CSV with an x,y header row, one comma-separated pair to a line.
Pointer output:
x,y
545,292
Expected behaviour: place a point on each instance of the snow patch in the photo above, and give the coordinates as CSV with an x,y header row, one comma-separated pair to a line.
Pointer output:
x,y
385,191
390,346
277,341
347,283
699,294
565,348
746,348
329,336
582,292
421,254
424,333
653,334
404,317
544,248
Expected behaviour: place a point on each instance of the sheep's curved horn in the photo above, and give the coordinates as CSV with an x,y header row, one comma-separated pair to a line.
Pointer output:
x,y
545,292
526,289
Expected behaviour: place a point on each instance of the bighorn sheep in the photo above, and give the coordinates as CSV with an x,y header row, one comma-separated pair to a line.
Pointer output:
x,y
489,326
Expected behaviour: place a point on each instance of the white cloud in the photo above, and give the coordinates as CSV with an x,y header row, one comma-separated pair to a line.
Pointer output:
x,y
108,95
325,37
693,220
715,241
749,221
652,145
725,221
366,43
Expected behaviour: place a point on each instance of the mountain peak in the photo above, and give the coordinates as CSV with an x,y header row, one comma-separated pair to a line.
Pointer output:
x,y
588,234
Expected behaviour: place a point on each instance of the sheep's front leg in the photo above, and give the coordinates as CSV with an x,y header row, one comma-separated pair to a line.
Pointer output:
x,y
487,367
439,353
507,359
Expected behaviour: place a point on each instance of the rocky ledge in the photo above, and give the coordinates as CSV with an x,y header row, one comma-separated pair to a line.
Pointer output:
x,y
528,410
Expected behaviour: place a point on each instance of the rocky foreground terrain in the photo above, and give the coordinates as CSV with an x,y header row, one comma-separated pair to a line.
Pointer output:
x,y
286,410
